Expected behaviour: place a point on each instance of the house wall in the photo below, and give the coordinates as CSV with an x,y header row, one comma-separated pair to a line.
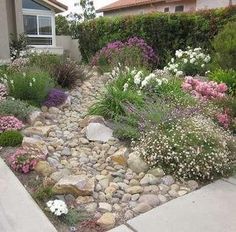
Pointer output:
x,y
189,5
211,4
4,35
70,46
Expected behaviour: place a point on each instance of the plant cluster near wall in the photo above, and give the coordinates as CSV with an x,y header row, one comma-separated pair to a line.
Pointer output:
x,y
166,33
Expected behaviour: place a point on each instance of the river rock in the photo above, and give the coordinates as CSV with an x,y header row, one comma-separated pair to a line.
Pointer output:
x,y
136,164
98,132
78,185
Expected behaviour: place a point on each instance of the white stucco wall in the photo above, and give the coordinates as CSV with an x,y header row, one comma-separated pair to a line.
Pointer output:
x,y
211,4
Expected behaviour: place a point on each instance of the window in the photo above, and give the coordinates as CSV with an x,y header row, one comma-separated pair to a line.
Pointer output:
x,y
39,23
166,9
39,29
30,4
179,8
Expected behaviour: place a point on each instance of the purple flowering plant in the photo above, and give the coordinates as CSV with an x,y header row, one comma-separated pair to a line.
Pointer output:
x,y
133,52
56,97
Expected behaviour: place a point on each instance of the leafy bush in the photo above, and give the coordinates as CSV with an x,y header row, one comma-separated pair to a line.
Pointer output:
x,y
133,53
10,138
166,33
190,62
18,64
225,76
17,108
189,148
44,61
22,162
32,86
10,123
56,97
225,47
43,193
67,74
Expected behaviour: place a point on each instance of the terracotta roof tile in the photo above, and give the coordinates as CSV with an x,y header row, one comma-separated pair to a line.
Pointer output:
x,y
126,4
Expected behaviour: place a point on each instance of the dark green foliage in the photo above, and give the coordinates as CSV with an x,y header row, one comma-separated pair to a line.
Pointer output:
x,y
74,216
18,44
225,76
225,47
43,193
164,32
10,138
62,25
17,108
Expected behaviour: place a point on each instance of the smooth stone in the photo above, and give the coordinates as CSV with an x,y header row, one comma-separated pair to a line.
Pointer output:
x,y
149,179
98,132
150,199
136,164
107,221
168,180
142,208
193,185
134,189
44,168
104,207
157,172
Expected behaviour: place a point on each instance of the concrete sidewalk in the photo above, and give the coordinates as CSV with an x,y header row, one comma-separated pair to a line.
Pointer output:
x,y
18,211
209,209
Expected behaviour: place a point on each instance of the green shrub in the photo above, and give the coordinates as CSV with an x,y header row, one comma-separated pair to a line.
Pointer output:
x,y
10,138
43,193
188,148
17,108
166,33
74,216
67,74
225,47
44,61
31,86
225,76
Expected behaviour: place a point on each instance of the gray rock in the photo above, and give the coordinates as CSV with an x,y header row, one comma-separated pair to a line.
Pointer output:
x,y
66,151
91,207
149,179
142,208
136,164
158,172
150,199
192,184
98,132
126,197
134,189
168,180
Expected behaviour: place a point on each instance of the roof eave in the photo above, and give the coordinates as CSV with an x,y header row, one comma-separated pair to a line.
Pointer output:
x,y
59,8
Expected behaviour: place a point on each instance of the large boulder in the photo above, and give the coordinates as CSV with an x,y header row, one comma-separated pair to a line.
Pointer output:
x,y
78,185
98,132
91,119
136,164
36,147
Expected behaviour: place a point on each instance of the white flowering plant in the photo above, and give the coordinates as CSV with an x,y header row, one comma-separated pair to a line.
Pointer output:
x,y
32,85
189,148
140,80
57,207
190,62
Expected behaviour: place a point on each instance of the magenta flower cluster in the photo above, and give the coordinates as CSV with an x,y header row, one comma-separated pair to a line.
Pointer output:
x,y
21,161
56,97
148,54
10,123
204,90
224,119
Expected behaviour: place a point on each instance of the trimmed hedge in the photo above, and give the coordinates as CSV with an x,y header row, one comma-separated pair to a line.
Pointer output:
x,y
164,32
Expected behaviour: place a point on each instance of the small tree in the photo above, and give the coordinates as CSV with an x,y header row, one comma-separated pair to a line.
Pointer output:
x,y
62,25
88,9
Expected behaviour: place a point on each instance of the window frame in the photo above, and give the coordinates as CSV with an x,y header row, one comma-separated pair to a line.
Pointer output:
x,y
39,13
179,6
167,7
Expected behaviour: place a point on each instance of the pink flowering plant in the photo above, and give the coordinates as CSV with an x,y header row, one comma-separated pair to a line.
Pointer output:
x,y
10,123
204,90
21,161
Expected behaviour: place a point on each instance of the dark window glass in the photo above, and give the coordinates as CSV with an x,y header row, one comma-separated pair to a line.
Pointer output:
x,y
30,24
39,41
45,25
30,4
166,9
179,8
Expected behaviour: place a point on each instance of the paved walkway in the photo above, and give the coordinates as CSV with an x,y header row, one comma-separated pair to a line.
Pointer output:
x,y
18,211
209,209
